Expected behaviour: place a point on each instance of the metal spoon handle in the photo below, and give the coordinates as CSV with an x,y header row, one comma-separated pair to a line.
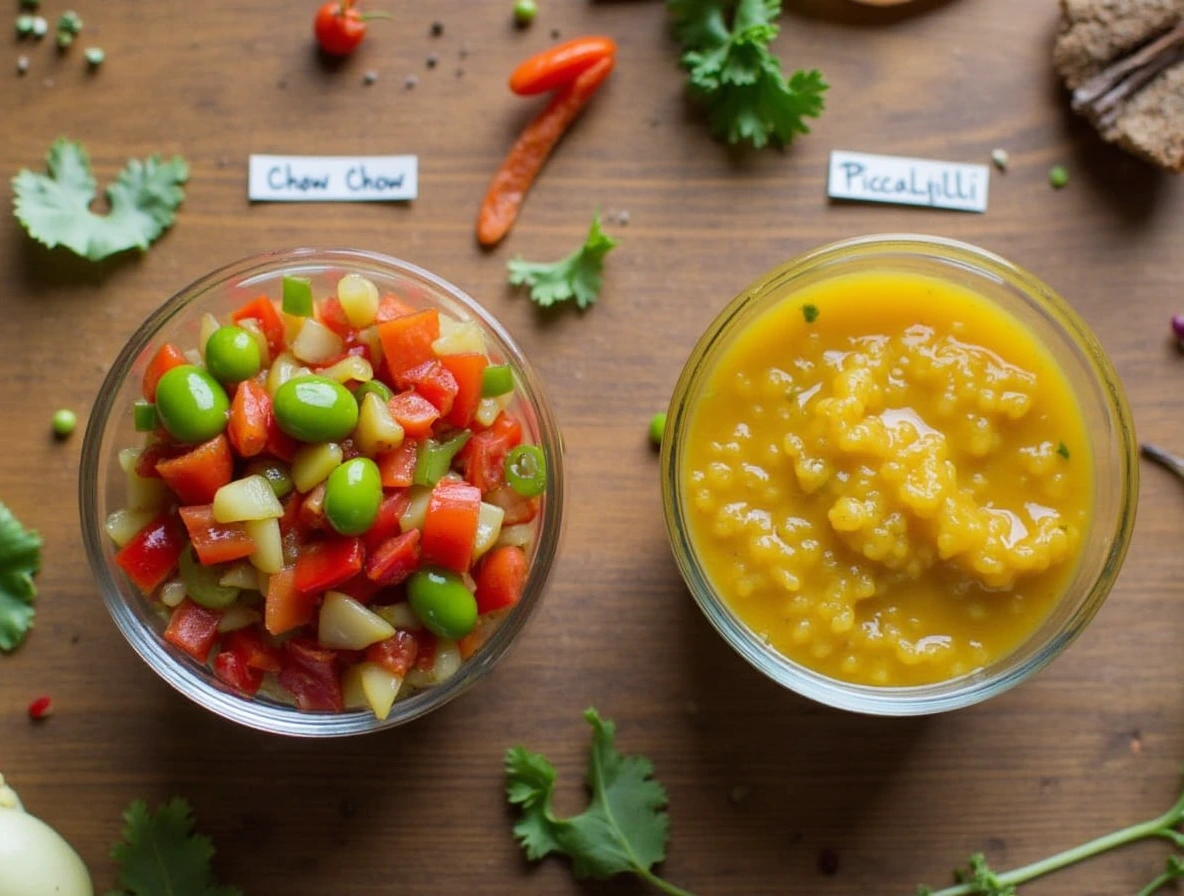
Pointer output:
x,y
1164,459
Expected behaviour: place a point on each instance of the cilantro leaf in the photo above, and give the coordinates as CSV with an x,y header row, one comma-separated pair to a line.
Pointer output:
x,y
578,275
20,560
623,830
55,209
160,854
736,78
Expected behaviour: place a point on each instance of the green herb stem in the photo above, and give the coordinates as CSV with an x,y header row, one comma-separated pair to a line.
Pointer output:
x,y
664,885
1160,826
1166,878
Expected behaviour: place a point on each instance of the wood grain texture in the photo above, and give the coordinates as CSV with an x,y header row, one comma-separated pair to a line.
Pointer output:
x,y
419,810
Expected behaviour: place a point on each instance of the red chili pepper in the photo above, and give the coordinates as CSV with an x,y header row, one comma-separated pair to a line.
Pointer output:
x,y
559,65
41,708
339,27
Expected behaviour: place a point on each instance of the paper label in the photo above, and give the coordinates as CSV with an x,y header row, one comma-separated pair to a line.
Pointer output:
x,y
872,178
332,178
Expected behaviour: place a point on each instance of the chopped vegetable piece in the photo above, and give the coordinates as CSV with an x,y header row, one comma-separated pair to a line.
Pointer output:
x,y
166,358
373,387
525,12
526,470
41,708
249,644
193,629
160,854
359,300
144,416
435,458
376,432
285,608
735,76
530,151
197,476
345,624
263,310
327,565
497,379
407,340
55,210
468,373
414,413
202,583
296,296
395,559
277,476
20,560
433,381
623,830
153,553
500,579
65,422
310,675
396,654
397,468
1058,176
450,525
232,670
578,275
215,542
657,427
250,412
249,498
560,65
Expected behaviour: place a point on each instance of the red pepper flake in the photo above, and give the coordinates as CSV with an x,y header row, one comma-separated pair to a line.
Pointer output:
x,y
41,708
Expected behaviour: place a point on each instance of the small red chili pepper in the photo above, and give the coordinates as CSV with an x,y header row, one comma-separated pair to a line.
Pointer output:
x,y
339,27
41,708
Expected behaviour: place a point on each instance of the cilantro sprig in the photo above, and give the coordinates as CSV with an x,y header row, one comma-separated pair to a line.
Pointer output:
x,y
54,208
623,830
20,560
161,854
735,76
578,275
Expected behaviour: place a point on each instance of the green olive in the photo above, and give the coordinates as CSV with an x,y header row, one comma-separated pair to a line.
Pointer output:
x,y
315,409
191,405
442,602
353,493
232,355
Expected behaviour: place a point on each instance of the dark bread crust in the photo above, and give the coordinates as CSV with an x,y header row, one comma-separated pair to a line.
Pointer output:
x,y
1096,33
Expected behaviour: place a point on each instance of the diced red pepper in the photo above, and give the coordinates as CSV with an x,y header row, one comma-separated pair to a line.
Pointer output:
x,y
250,414
386,524
396,654
468,371
483,459
500,578
390,307
263,310
310,675
215,542
508,429
232,670
425,658
407,340
153,552
166,358
153,454
285,607
253,648
279,443
395,559
333,561
397,468
332,315
360,588
196,476
312,509
517,508
450,525
433,381
414,413
193,629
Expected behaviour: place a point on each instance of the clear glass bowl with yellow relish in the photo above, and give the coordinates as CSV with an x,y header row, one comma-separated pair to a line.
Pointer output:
x,y
899,474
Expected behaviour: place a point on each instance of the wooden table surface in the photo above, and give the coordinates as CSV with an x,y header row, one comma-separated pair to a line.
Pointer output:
x,y
1093,742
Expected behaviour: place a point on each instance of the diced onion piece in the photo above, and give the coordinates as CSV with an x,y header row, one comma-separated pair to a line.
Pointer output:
x,y
489,527
377,430
349,369
313,463
417,508
283,368
250,498
268,556
172,593
401,616
373,341
292,325
193,356
237,616
208,326
489,408
123,524
359,299
352,694
446,664
345,624
519,536
457,337
378,687
240,575
252,326
143,492
316,343
128,458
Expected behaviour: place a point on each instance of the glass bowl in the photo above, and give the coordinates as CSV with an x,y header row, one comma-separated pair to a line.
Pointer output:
x,y
102,483
1091,377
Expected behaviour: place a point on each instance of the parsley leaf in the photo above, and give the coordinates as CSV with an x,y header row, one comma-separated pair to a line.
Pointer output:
x,y
20,560
624,828
55,209
576,276
736,77
160,854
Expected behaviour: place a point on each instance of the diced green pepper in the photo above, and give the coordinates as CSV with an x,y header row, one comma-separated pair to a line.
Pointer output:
x,y
497,379
434,458
144,416
526,470
377,387
201,583
297,296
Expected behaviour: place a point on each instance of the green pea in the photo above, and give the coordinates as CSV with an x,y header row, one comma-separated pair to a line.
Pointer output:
x,y
378,388
191,405
353,492
232,355
64,422
315,409
657,427
442,602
